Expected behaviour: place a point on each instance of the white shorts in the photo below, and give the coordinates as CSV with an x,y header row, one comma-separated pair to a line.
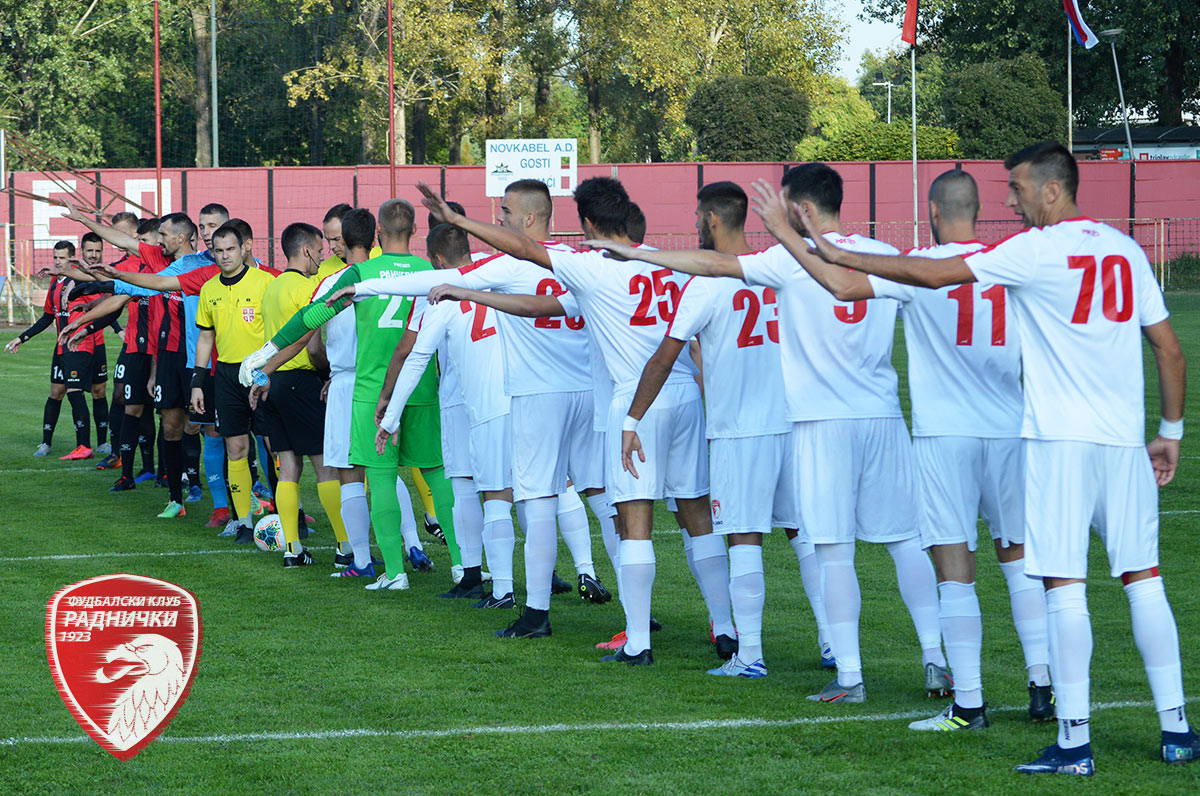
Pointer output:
x,y
672,434
1071,486
338,410
491,454
753,484
456,446
854,480
961,478
553,440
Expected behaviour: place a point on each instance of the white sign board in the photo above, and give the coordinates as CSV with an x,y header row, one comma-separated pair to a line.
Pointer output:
x,y
548,160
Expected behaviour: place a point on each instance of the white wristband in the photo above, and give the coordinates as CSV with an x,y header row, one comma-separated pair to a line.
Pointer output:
x,y
1170,429
630,424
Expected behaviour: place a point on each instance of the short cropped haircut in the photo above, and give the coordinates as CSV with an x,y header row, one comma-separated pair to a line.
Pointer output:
x,y
147,226
336,212
91,237
536,197
124,217
455,206
449,242
956,195
298,235
727,200
604,202
397,218
635,223
65,244
816,183
229,229
181,220
214,209
358,228
1048,160
242,227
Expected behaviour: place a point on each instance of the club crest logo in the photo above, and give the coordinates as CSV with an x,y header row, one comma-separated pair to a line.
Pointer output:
x,y
716,509
123,650
248,314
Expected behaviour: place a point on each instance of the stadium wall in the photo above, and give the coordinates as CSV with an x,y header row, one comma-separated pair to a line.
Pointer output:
x,y
878,198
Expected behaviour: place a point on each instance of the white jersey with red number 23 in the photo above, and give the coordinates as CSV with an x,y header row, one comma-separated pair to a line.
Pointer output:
x,y
1081,292
837,356
738,327
467,331
628,305
964,359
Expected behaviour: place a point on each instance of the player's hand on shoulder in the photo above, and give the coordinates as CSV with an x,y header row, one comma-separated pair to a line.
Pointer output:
x,y
1164,457
617,251
447,293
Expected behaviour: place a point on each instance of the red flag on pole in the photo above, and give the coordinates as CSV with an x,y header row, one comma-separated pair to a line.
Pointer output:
x,y
909,34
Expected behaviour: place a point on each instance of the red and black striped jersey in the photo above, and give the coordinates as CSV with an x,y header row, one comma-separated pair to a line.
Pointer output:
x,y
170,317
75,308
56,305
140,337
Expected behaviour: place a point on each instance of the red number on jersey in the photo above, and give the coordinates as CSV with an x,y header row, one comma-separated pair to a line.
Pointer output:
x,y
852,314
995,294
965,296
478,330
1113,268
550,287
748,300
649,287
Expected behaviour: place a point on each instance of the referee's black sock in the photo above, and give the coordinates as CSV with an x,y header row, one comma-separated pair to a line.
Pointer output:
x,y
79,414
100,412
173,461
50,418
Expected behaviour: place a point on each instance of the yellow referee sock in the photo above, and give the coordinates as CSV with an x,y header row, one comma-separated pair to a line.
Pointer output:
x,y
240,484
330,493
423,491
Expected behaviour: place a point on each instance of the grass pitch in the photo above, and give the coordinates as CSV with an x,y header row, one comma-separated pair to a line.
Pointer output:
x,y
308,685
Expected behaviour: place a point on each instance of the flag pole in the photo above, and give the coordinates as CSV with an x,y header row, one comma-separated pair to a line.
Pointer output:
x,y
391,81
913,80
1070,92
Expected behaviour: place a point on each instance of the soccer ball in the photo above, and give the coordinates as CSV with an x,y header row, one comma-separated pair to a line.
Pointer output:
x,y
268,533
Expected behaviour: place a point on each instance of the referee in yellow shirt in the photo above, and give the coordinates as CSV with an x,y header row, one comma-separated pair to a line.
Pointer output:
x,y
230,317
293,413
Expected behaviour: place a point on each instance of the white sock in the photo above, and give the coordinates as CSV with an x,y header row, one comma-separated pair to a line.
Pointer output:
x,y
1070,659
499,540
637,582
810,576
541,550
468,521
356,515
962,631
918,589
1027,596
747,592
843,604
689,552
408,520
1157,640
712,569
605,512
573,525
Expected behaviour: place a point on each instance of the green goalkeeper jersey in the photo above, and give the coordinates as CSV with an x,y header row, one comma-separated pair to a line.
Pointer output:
x,y
380,320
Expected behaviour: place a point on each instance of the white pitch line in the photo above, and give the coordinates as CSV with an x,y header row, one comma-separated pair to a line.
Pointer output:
x,y
167,553
545,729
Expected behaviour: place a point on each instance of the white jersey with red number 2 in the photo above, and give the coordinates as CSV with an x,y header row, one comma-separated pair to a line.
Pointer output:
x,y
1081,292
837,356
964,359
467,331
738,327
628,306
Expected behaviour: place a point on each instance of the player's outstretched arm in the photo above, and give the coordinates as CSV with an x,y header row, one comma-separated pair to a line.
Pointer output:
x,y
156,282
1172,387
40,325
413,360
108,234
699,262
520,304
417,283
101,309
278,360
654,376
919,271
494,235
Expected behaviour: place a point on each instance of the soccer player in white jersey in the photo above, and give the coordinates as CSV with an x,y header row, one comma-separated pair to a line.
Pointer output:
x,y
853,456
965,383
629,306
1084,296
547,376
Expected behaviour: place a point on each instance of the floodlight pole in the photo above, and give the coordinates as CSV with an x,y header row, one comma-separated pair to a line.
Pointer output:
x,y
1070,90
158,204
212,21
889,90
916,216
391,105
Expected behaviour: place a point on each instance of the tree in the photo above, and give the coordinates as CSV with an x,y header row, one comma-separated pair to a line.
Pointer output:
x,y
747,118
836,107
998,107
882,141
893,66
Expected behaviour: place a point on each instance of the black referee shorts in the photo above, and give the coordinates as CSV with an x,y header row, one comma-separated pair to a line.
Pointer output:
x,y
232,403
133,371
294,414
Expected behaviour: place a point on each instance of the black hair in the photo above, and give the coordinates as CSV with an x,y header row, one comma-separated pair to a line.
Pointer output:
x,y
336,212
91,237
180,220
604,202
542,205
214,209
229,229
455,206
449,242
65,244
147,225
727,200
242,227
1048,160
635,223
956,195
358,228
816,183
298,235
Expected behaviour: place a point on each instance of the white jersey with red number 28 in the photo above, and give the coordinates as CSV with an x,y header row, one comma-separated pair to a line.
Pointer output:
x,y
1081,292
467,331
837,356
964,359
738,327
628,305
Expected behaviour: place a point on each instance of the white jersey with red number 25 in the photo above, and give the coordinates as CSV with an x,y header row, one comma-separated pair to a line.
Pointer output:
x,y
738,327
1081,292
837,356
964,359
467,332
628,305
